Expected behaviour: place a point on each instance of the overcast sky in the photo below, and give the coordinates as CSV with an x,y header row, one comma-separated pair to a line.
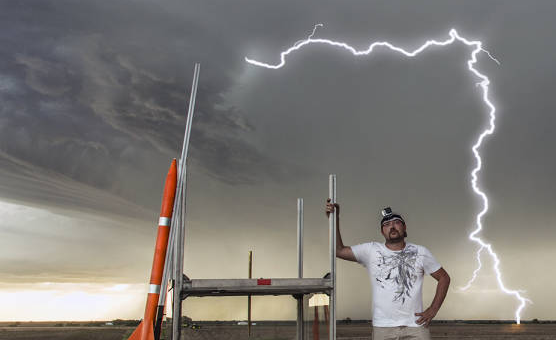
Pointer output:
x,y
93,98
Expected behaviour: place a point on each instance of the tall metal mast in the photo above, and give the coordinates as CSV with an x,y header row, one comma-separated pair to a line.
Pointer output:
x,y
300,326
332,238
179,228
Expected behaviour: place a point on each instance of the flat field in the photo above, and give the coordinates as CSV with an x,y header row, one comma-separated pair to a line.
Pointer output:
x,y
357,331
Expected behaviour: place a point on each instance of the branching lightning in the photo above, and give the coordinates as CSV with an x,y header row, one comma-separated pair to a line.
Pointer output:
x,y
483,83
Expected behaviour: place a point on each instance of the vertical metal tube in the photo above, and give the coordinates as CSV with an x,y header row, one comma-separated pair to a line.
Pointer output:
x,y
190,111
332,238
180,231
175,272
300,326
178,274
250,264
249,296
176,309
300,237
168,266
169,261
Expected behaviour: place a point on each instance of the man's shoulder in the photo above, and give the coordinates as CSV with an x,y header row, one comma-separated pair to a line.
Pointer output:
x,y
365,248
371,243
416,246
421,250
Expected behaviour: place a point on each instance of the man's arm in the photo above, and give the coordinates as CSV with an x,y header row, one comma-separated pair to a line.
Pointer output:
x,y
441,289
342,251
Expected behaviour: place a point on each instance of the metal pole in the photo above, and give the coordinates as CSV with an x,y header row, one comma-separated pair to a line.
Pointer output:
x,y
176,302
191,110
300,237
169,262
180,233
300,329
175,271
332,238
249,296
168,266
178,275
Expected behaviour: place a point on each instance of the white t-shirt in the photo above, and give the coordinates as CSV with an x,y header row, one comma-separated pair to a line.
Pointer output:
x,y
397,280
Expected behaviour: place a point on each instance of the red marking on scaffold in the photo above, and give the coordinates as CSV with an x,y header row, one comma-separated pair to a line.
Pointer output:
x,y
264,281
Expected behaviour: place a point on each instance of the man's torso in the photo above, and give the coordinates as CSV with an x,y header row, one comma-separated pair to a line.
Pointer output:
x,y
397,279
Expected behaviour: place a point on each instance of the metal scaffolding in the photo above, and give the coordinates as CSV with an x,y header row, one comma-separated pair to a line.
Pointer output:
x,y
296,287
184,287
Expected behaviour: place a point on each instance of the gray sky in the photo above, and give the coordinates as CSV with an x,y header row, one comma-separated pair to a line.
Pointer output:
x,y
92,109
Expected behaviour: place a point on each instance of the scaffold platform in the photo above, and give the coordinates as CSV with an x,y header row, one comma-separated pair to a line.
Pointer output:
x,y
255,287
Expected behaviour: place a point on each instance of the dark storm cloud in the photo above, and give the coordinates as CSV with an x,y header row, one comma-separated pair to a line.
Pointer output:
x,y
47,78
81,97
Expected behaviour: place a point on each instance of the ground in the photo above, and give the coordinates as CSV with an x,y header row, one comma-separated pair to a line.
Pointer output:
x,y
358,331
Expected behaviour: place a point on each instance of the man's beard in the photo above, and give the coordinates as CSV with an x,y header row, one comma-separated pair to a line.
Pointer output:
x,y
397,239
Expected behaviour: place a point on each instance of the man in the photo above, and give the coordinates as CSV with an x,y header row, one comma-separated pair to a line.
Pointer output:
x,y
396,270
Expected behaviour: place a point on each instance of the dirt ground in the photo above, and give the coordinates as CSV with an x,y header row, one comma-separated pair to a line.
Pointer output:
x,y
357,331
64,333
450,331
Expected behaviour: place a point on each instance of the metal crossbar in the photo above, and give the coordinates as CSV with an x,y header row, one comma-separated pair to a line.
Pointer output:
x,y
244,287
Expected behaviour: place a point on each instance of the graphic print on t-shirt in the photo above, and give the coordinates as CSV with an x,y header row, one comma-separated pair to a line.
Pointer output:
x,y
398,269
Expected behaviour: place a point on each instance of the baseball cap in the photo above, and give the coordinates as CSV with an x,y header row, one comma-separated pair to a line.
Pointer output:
x,y
388,215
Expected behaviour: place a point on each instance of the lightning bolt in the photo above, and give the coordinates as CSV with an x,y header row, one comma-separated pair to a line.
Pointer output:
x,y
483,83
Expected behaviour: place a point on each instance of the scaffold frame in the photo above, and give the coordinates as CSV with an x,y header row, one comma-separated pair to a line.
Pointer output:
x,y
184,287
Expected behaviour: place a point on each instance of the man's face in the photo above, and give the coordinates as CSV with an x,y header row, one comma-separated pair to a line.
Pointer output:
x,y
393,231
